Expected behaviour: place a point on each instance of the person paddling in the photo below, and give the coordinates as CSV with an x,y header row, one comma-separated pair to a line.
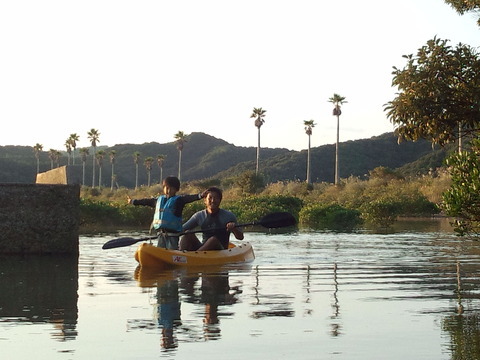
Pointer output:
x,y
216,223
167,219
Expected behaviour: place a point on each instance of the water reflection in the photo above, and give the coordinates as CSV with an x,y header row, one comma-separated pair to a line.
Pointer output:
x,y
209,288
40,289
463,327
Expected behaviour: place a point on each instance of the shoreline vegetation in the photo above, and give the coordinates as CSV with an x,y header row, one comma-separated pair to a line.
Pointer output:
x,y
374,204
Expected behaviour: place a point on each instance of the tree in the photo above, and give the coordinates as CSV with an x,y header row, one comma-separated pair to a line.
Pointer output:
x,y
84,152
464,6
112,154
54,156
309,125
100,156
462,199
73,143
94,136
258,114
37,149
148,162
160,162
181,139
68,146
136,159
438,96
337,101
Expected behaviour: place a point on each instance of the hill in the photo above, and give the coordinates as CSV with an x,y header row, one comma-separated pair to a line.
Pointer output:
x,y
205,156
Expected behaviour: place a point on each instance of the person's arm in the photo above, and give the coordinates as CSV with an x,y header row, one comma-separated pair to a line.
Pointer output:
x,y
236,231
152,202
185,199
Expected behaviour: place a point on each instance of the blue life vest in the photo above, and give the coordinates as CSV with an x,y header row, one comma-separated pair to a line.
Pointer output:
x,y
164,217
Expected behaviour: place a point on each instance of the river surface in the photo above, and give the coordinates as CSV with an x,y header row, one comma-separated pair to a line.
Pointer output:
x,y
410,294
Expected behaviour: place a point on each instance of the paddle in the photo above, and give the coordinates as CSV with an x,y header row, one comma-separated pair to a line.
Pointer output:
x,y
273,220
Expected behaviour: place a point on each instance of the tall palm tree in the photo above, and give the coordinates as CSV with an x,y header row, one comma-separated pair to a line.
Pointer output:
x,y
309,125
160,161
73,142
136,158
181,139
112,154
94,136
84,152
337,100
54,156
148,162
99,156
68,146
258,114
37,149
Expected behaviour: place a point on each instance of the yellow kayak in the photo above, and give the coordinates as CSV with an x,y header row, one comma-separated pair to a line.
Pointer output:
x,y
151,256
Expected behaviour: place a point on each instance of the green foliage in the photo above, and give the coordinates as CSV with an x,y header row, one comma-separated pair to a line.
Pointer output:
x,y
331,217
250,182
439,89
108,213
253,208
380,213
462,200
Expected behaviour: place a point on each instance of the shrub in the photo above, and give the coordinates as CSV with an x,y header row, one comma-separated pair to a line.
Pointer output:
x,y
331,217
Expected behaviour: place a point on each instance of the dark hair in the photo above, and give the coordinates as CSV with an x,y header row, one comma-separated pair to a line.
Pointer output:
x,y
172,181
216,190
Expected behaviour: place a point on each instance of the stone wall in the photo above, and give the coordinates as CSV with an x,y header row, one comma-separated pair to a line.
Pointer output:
x,y
37,218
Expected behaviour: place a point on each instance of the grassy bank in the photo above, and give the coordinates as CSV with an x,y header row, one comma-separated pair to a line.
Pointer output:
x,y
373,203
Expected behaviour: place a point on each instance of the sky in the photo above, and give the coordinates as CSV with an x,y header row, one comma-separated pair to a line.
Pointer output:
x,y
140,71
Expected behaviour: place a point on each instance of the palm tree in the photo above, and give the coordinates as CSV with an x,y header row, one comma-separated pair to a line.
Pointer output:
x,y
148,162
68,146
73,142
136,158
181,139
258,114
54,156
93,135
309,125
99,156
160,161
83,155
112,154
37,149
337,100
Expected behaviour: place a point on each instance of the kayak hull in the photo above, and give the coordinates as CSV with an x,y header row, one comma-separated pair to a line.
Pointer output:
x,y
152,256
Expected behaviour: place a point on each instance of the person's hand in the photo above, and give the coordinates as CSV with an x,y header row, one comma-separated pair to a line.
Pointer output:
x,y
230,226
129,201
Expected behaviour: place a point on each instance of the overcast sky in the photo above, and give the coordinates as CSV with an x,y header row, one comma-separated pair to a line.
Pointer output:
x,y
140,71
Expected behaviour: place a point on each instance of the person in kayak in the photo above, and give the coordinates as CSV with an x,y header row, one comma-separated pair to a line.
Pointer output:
x,y
216,223
167,219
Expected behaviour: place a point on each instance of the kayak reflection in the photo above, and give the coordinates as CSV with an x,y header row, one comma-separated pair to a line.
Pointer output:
x,y
206,289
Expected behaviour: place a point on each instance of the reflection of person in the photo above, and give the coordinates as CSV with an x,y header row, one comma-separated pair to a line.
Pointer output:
x,y
216,224
168,211
168,311
215,291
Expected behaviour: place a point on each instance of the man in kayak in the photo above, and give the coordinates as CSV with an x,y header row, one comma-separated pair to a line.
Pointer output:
x,y
216,223
167,219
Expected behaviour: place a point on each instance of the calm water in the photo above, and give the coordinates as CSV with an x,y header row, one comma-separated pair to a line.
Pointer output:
x,y
407,295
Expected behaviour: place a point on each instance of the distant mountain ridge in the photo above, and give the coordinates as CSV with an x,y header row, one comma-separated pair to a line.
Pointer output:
x,y
205,156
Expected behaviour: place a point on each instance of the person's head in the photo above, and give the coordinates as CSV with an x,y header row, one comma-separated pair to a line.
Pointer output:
x,y
171,185
213,199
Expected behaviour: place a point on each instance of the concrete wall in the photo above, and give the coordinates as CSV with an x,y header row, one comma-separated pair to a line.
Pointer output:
x,y
36,218
69,174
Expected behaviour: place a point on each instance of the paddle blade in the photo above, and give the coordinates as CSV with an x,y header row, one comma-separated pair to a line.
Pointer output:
x,y
121,242
277,220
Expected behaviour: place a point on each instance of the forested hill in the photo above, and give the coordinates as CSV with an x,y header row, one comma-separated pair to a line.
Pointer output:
x,y
204,156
